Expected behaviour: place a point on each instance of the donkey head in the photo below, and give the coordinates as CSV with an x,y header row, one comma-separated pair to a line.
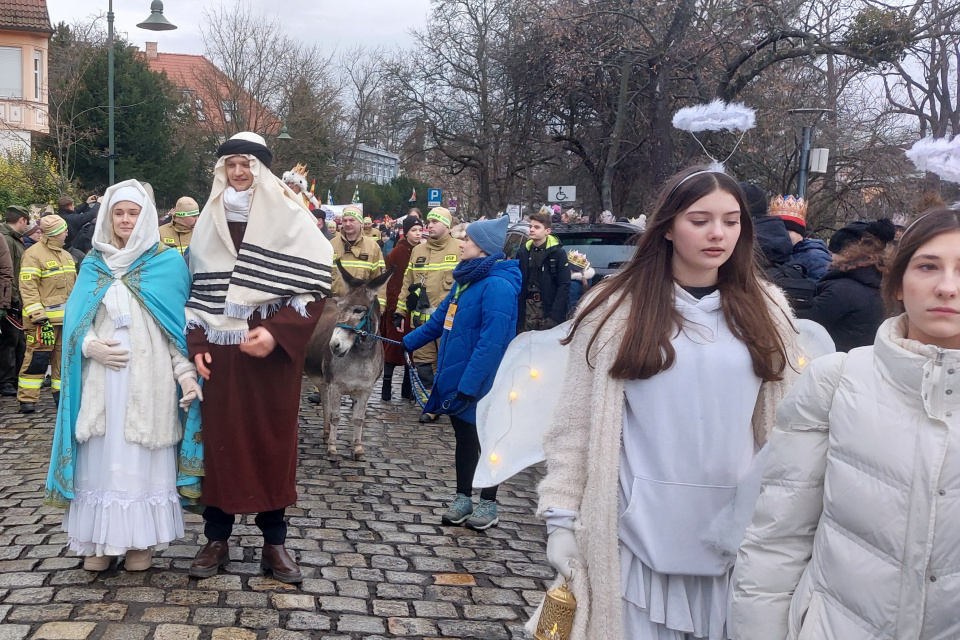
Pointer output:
x,y
358,308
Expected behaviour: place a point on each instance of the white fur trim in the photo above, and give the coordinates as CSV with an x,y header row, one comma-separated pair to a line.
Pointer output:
x,y
937,155
715,116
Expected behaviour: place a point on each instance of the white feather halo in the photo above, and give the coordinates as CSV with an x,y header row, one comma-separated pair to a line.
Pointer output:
x,y
715,116
937,155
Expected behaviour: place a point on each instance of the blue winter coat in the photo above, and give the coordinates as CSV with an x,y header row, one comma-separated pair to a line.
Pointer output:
x,y
471,351
813,254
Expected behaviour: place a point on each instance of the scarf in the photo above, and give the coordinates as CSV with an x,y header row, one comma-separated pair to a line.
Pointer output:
x,y
284,259
470,271
145,236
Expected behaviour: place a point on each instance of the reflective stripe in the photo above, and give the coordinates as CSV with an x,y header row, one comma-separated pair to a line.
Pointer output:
x,y
55,315
383,302
31,383
55,384
32,308
401,306
433,267
360,265
56,272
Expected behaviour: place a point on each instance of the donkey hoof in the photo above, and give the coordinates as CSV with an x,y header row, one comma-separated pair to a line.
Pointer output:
x,y
332,455
359,455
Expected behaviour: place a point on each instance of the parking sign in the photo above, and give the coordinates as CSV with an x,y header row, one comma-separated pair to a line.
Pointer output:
x,y
433,197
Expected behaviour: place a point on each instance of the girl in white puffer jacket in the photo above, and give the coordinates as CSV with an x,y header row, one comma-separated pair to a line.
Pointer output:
x,y
857,530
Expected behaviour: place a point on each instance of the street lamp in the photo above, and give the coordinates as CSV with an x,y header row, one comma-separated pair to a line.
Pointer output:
x,y
805,147
283,134
155,22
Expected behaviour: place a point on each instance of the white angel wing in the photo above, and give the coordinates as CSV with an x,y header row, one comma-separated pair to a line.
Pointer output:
x,y
937,155
513,417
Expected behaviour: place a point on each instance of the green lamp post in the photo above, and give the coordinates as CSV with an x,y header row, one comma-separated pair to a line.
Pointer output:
x,y
155,22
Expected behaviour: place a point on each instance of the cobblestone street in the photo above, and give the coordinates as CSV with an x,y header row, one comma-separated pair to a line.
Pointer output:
x,y
376,560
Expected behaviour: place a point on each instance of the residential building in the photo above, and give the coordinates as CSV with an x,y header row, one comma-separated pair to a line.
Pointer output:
x,y
219,107
374,165
24,44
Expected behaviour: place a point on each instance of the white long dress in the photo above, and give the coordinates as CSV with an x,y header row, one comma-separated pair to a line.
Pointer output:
x,y
125,494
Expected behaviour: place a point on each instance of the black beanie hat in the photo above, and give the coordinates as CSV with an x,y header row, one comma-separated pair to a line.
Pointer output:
x,y
246,144
756,199
410,222
884,230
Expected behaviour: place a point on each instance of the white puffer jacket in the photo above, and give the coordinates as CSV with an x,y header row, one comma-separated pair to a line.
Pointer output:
x,y
857,530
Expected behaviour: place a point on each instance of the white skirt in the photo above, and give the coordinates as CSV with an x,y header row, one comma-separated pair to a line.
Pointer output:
x,y
125,496
671,607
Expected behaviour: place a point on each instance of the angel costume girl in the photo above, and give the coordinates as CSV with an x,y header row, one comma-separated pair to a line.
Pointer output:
x,y
122,447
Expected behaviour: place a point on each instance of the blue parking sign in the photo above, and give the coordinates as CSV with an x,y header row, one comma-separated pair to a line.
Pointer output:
x,y
433,197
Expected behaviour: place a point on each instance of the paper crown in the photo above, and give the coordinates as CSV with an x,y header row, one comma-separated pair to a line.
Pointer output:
x,y
577,259
300,168
789,208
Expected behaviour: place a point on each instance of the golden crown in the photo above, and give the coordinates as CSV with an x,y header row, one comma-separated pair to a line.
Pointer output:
x,y
577,259
301,169
790,207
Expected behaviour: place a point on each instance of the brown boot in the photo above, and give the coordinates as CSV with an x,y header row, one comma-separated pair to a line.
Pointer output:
x,y
213,556
276,559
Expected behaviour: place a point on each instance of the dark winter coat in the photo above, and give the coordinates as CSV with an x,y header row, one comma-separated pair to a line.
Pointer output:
x,y
553,280
76,220
813,254
773,239
849,307
471,351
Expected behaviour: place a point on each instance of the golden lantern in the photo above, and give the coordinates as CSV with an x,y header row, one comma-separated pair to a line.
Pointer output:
x,y
556,618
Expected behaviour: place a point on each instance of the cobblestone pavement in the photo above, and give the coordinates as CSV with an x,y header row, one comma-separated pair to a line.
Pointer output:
x,y
376,560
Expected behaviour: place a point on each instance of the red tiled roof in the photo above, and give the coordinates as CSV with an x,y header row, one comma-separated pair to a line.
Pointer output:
x,y
25,14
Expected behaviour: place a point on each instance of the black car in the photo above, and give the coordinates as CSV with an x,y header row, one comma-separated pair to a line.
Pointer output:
x,y
608,247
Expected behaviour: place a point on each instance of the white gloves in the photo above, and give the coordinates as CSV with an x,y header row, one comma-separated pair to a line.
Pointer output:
x,y
562,551
107,353
191,391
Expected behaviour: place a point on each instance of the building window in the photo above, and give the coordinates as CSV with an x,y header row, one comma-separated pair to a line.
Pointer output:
x,y
11,72
198,107
229,110
38,75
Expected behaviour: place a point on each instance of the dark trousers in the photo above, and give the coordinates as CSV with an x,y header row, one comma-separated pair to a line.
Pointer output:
x,y
468,457
13,346
217,525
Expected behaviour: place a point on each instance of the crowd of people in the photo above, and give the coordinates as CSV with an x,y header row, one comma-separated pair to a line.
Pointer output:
x,y
685,372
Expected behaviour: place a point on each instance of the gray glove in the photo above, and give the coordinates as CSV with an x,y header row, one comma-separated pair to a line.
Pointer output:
x,y
106,353
563,551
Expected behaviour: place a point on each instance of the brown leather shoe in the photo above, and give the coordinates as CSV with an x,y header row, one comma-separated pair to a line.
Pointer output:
x,y
277,560
213,556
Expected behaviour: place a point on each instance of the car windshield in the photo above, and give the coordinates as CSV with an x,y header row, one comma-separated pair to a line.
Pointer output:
x,y
603,250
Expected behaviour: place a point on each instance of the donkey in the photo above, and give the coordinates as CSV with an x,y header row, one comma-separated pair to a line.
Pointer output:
x,y
343,360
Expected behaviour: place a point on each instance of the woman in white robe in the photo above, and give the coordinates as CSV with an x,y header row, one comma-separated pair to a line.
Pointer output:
x,y
125,500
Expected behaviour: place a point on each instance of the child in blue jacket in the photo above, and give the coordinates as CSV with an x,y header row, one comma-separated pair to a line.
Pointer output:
x,y
475,322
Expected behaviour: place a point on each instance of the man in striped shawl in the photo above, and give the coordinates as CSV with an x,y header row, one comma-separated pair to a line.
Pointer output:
x,y
261,271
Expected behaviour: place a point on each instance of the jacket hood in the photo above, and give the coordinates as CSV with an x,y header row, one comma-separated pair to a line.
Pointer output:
x,y
773,238
869,276
508,270
811,245
552,241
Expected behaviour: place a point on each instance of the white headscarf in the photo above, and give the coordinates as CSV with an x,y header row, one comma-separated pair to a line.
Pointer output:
x,y
145,235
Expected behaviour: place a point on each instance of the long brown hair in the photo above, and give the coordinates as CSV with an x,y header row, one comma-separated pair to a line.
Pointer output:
x,y
923,230
646,349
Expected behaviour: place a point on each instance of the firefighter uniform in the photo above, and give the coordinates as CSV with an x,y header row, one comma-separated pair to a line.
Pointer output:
x,y
176,235
47,275
363,260
431,265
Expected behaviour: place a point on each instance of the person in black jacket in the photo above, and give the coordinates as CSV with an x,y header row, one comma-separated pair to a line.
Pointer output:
x,y
848,302
76,217
545,288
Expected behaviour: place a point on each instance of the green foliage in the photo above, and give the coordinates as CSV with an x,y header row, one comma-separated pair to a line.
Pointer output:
x,y
390,199
880,35
31,181
145,106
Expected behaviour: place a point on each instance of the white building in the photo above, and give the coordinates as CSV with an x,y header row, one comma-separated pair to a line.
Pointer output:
x,y
374,165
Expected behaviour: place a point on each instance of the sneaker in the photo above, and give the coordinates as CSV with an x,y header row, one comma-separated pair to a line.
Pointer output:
x,y
459,510
484,516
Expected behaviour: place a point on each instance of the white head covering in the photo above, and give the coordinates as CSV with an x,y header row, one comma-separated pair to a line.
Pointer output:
x,y
145,235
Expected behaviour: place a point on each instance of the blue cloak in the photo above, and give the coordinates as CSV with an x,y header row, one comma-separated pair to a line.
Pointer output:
x,y
160,282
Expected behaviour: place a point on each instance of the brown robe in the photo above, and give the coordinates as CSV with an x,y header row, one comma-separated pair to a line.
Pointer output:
x,y
399,258
250,412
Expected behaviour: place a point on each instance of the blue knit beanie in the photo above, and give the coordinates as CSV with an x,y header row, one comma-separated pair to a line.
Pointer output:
x,y
489,235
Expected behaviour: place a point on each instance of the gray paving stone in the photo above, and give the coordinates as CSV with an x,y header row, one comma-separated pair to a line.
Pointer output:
x,y
125,632
433,609
165,614
466,629
411,626
14,631
306,621
215,617
259,618
360,624
35,595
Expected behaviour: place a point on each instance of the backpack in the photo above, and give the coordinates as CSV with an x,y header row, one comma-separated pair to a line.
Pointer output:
x,y
799,287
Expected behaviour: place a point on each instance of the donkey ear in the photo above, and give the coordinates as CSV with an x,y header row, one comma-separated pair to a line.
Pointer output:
x,y
378,282
351,281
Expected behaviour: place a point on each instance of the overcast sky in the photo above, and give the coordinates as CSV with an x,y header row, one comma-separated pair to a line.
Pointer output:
x,y
326,22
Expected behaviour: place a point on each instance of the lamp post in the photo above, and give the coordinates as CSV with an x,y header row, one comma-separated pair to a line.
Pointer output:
x,y
155,22
805,147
